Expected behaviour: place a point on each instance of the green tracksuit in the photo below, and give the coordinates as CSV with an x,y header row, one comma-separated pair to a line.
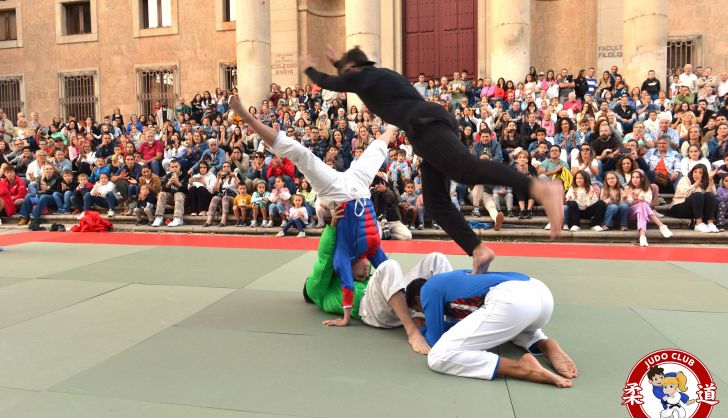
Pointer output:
x,y
323,285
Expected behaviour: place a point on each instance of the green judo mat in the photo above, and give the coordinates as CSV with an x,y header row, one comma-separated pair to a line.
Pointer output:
x,y
142,331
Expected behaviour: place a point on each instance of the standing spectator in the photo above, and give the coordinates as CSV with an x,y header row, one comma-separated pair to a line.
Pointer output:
x,y
421,84
566,85
174,189
591,82
581,86
7,130
651,85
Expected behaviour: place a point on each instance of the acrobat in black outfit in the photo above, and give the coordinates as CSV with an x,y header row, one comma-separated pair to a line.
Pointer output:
x,y
434,136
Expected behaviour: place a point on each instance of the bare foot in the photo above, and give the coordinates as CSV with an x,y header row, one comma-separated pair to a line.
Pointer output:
x,y
551,196
482,257
418,343
535,372
563,364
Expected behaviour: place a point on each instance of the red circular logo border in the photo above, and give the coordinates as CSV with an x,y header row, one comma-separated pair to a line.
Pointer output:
x,y
699,369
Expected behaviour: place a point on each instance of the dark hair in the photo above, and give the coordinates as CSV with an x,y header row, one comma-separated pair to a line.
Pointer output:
x,y
413,290
704,180
654,371
585,176
305,294
541,130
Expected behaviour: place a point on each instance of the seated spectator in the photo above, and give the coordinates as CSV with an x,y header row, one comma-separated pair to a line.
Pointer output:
x,y
408,205
611,195
310,198
644,140
12,191
695,137
283,168
585,161
83,187
297,216
722,201
488,148
553,167
637,195
386,205
695,199
60,162
62,198
45,185
201,189
399,171
718,146
694,158
606,145
242,204
102,194
214,155
126,178
664,165
144,208
174,189
97,169
174,150
582,201
279,200
626,115
260,201
35,169
224,190
152,152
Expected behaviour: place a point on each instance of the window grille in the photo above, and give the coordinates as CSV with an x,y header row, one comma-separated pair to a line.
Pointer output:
x,y
156,84
229,76
11,100
79,94
681,51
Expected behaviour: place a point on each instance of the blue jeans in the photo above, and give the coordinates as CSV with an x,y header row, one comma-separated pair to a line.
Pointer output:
x,y
293,222
63,200
276,209
133,190
621,210
156,166
40,202
32,187
109,201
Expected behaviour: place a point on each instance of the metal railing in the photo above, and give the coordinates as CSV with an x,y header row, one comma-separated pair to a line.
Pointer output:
x,y
681,51
79,94
228,76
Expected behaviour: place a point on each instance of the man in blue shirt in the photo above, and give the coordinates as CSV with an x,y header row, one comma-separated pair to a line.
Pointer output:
x,y
485,311
591,82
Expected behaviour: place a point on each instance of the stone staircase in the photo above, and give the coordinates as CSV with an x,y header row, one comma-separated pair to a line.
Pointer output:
x,y
514,229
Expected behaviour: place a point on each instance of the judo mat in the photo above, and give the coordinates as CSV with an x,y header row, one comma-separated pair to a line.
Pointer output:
x,y
166,325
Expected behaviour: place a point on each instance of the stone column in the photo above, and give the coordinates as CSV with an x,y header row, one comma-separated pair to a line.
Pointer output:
x,y
364,28
644,40
252,40
510,40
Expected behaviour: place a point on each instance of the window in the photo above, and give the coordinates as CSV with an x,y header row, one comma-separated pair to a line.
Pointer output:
x,y
229,10
11,97
681,51
228,76
78,93
78,18
156,84
8,25
156,13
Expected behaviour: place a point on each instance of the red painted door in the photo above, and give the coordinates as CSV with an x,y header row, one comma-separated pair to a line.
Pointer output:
x,y
439,37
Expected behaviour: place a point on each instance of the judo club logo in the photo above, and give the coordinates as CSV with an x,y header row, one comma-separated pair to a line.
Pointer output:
x,y
670,384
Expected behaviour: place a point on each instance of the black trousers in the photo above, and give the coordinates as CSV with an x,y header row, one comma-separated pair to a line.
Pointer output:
x,y
435,138
697,205
595,212
199,199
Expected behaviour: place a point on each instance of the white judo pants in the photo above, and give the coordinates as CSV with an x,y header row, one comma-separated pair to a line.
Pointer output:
x,y
388,279
512,311
333,186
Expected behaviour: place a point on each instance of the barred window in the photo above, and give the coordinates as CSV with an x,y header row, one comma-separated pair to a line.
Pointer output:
x,y
229,10
78,17
79,94
8,25
11,99
681,51
228,76
156,84
156,13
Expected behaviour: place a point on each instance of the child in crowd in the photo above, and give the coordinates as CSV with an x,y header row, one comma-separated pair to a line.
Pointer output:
x,y
399,170
611,195
407,148
721,198
408,205
279,201
98,168
637,195
144,210
310,198
241,204
84,186
260,200
65,192
297,216
102,194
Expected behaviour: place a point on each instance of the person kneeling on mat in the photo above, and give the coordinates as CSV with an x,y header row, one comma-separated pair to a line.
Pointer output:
x,y
378,297
489,309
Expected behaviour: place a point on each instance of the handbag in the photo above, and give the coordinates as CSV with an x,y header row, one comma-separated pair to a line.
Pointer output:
x,y
662,179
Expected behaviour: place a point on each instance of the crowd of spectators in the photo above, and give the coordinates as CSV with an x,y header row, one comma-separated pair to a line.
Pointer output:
x,y
615,147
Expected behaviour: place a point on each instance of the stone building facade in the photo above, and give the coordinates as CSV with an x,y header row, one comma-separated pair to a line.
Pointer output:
x,y
91,56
